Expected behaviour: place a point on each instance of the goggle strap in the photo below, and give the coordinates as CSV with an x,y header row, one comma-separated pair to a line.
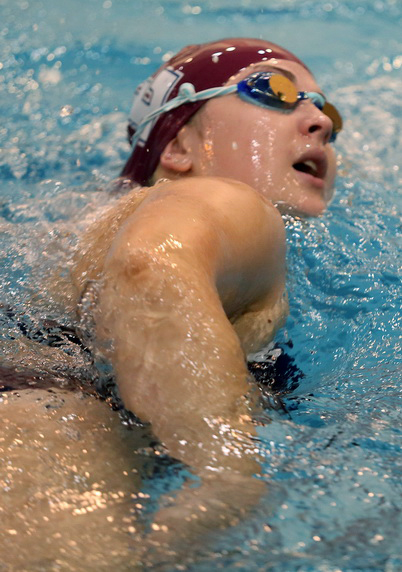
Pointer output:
x,y
187,94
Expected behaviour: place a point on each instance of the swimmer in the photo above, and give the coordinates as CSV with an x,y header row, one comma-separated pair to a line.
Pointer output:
x,y
185,274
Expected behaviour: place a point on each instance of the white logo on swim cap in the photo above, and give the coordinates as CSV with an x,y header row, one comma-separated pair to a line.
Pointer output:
x,y
150,95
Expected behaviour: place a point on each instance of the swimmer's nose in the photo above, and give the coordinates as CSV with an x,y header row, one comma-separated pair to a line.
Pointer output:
x,y
314,123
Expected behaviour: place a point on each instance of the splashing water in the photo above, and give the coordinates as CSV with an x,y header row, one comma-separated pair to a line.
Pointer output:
x,y
332,465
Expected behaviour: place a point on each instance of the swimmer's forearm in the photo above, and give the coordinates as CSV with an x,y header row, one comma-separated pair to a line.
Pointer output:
x,y
200,510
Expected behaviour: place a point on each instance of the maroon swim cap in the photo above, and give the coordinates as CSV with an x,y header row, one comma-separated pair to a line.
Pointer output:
x,y
205,66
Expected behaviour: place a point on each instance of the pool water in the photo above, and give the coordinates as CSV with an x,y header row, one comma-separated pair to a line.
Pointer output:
x,y
333,463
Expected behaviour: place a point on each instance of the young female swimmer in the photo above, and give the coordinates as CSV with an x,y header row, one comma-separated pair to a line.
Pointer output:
x,y
190,269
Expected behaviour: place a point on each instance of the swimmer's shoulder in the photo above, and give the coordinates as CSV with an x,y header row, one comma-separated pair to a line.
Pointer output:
x,y
230,205
214,192
202,202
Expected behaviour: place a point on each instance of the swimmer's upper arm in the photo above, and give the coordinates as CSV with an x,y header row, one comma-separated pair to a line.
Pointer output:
x,y
223,227
183,262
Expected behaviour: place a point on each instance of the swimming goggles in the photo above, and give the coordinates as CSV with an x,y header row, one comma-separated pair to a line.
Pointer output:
x,y
268,89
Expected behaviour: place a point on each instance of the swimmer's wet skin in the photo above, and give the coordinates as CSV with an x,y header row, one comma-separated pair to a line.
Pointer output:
x,y
168,305
189,275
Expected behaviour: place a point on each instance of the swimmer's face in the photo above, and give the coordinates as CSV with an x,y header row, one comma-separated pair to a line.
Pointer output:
x,y
287,157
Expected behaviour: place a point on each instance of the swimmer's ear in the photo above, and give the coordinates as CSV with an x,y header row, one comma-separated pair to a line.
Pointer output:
x,y
176,156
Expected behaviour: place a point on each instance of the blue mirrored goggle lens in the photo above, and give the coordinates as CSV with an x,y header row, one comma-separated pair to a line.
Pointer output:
x,y
269,89
273,90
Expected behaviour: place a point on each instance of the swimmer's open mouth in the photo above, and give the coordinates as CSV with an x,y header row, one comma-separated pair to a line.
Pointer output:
x,y
314,164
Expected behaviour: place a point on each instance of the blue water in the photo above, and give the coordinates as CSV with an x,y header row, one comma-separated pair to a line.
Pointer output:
x,y
67,72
